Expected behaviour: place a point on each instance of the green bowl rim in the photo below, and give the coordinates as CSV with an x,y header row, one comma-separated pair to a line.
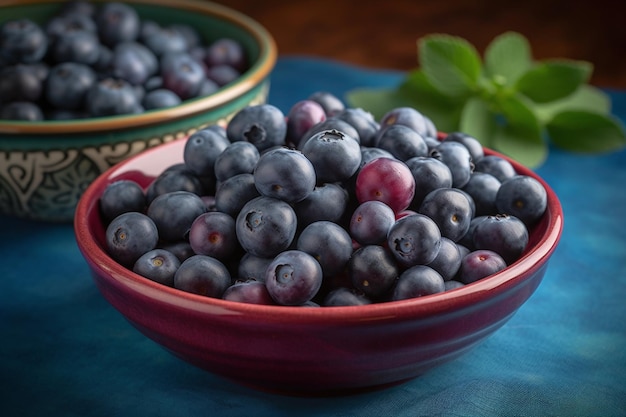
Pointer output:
x,y
252,78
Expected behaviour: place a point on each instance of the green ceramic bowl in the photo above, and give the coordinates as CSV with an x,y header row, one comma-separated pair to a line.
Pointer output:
x,y
45,166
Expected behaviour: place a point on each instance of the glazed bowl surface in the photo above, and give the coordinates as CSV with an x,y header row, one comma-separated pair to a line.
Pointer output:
x,y
309,351
45,166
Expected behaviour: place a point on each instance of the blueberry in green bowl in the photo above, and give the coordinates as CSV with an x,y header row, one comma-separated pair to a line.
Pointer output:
x,y
89,91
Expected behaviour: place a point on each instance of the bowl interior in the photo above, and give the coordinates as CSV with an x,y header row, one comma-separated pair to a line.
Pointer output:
x,y
211,20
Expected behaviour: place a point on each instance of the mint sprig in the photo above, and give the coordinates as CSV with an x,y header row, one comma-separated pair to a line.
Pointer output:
x,y
508,101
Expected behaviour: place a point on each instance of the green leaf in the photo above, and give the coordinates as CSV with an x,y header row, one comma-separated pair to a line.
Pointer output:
x,y
587,98
477,120
520,136
553,79
451,64
443,110
585,131
507,57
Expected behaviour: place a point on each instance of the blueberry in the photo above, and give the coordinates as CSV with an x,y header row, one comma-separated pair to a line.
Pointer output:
x,y
523,197
479,264
450,209
110,97
373,270
429,174
160,98
117,22
293,277
252,267
179,179
65,22
20,82
504,234
165,40
68,84
203,275
418,281
334,155
456,156
182,74
448,259
328,243
369,153
236,158
343,296
331,104
467,240
222,74
363,122
326,202
159,265
407,116
21,110
266,226
496,166
250,291
453,285
181,249
285,174
129,236
262,125
213,234
331,123
120,197
370,222
22,41
483,188
133,62
402,142
472,144
233,193
207,87
174,212
414,239
202,149
81,46
226,51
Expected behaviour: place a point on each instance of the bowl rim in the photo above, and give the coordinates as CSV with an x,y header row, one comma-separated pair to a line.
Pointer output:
x,y
258,71
409,309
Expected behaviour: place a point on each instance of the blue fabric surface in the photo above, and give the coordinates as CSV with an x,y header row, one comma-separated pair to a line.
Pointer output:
x,y
65,352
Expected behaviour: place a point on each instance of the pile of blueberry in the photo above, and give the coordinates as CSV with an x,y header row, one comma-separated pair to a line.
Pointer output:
x,y
323,206
99,60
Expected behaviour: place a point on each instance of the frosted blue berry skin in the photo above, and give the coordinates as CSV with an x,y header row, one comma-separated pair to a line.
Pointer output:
x,y
293,277
472,144
120,197
524,197
174,212
233,193
343,296
483,188
414,240
327,201
402,142
334,155
202,150
496,166
458,158
418,281
429,174
373,270
213,234
327,242
504,234
408,116
158,265
262,125
252,267
203,275
129,236
236,158
266,226
450,209
448,259
370,222
285,174
364,123
250,291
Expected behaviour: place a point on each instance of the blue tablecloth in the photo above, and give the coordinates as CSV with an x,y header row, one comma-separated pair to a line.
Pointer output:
x,y
65,352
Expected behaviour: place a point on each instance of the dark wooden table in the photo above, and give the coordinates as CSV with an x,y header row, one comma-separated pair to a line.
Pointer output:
x,y
383,34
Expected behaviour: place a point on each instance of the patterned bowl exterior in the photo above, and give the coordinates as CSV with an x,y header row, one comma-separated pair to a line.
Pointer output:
x,y
46,166
309,351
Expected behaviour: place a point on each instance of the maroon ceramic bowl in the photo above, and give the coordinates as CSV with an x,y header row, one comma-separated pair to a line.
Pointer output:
x,y
309,351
